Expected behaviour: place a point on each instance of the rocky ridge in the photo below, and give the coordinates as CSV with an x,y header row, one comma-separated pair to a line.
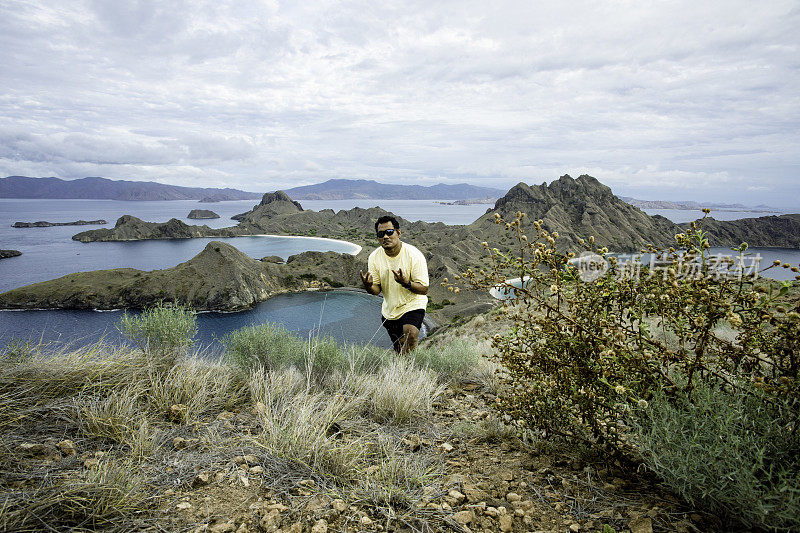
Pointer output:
x,y
579,208
781,231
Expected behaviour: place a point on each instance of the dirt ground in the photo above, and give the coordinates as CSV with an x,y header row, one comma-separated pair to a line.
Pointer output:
x,y
491,482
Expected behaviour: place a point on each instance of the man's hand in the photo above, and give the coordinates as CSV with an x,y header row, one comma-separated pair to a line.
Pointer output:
x,y
369,284
366,279
400,278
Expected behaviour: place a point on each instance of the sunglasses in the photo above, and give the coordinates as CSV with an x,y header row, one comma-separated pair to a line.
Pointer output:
x,y
389,232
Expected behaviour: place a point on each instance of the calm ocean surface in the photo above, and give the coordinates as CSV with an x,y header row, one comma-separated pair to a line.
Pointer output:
x,y
348,316
48,253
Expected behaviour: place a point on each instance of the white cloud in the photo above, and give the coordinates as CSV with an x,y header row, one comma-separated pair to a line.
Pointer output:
x,y
654,98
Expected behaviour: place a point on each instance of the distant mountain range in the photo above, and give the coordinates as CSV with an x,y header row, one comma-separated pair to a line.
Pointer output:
x,y
694,206
341,189
335,189
106,189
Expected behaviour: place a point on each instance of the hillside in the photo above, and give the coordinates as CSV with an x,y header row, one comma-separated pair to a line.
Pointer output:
x,y
772,231
339,189
94,188
218,278
578,208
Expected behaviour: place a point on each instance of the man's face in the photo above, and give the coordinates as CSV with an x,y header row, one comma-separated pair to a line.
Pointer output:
x,y
388,242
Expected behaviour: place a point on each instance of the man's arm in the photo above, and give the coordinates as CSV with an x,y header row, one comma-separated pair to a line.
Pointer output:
x,y
405,280
419,271
417,287
369,286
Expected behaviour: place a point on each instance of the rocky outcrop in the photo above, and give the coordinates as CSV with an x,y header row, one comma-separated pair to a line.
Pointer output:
x,y
130,228
218,278
320,223
202,213
773,231
272,204
5,254
44,224
578,208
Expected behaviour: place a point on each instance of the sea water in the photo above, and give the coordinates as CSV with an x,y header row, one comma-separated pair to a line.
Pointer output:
x,y
348,316
50,252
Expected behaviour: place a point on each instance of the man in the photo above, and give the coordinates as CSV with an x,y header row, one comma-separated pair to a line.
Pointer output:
x,y
400,272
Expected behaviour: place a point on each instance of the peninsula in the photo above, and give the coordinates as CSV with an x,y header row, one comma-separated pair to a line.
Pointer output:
x,y
219,278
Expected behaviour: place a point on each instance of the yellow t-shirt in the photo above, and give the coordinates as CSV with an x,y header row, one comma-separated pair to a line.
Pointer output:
x,y
397,300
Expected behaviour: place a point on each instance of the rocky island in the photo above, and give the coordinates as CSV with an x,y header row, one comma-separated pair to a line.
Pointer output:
x,y
202,213
5,254
45,224
130,228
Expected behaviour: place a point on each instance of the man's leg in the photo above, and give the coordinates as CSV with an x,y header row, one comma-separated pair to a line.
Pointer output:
x,y
395,331
409,339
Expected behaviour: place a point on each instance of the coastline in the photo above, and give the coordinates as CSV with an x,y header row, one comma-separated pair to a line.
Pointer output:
x,y
355,246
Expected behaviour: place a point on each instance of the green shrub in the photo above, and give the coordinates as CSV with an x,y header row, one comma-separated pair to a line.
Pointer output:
x,y
264,345
332,283
582,349
274,347
433,306
725,451
161,329
325,354
308,276
447,360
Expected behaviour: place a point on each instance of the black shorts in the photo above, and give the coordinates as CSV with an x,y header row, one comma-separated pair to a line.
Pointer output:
x,y
395,327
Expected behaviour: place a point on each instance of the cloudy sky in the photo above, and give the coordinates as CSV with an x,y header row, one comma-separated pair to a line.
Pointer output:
x,y
659,100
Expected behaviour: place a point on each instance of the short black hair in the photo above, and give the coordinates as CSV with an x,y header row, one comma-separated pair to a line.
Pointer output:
x,y
386,218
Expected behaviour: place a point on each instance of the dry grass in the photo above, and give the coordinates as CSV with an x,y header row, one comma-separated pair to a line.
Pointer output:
x,y
115,417
202,386
401,393
88,501
397,479
341,427
491,430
